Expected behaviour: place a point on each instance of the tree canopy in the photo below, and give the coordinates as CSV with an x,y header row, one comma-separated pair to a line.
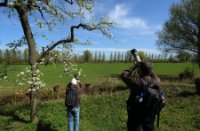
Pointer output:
x,y
182,30
47,14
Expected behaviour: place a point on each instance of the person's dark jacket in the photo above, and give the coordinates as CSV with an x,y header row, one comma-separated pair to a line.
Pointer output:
x,y
133,81
79,89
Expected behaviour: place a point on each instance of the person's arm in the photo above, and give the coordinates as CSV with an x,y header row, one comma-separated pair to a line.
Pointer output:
x,y
82,87
66,93
127,77
157,80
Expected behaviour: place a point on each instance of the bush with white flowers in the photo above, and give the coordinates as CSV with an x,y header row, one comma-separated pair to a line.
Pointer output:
x,y
24,79
71,69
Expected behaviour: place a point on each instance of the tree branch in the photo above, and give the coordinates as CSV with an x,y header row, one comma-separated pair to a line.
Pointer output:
x,y
15,44
177,47
71,2
5,3
45,53
71,39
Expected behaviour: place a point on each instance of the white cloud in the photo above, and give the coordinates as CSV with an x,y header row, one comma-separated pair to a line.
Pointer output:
x,y
120,14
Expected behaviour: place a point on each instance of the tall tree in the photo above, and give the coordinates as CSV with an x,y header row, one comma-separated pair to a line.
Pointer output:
x,y
99,56
183,56
87,56
118,56
1,56
13,54
47,15
95,57
25,55
7,56
111,57
182,30
122,57
103,57
142,55
129,56
19,57
115,57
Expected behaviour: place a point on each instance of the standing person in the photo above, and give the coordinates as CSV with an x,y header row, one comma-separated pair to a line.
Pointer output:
x,y
72,102
141,112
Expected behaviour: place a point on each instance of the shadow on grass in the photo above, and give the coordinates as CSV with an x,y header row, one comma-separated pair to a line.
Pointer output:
x,y
12,114
196,119
186,94
44,127
162,77
169,78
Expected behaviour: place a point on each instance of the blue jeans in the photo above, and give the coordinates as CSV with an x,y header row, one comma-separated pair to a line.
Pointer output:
x,y
73,114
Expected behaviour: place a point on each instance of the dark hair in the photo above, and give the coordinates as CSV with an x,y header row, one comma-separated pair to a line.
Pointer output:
x,y
146,68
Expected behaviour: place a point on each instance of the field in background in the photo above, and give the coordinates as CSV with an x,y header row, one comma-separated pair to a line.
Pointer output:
x,y
95,73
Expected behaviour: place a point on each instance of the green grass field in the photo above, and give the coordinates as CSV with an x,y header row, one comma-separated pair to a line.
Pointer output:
x,y
95,73
105,111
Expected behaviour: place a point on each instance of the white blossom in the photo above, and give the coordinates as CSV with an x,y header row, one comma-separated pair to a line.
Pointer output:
x,y
25,79
29,82
5,77
29,90
33,90
21,73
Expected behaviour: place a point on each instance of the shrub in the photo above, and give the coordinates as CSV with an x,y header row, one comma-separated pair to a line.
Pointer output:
x,y
186,74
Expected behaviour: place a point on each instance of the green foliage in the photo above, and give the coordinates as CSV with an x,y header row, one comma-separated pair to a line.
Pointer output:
x,y
3,71
107,112
7,56
72,70
180,32
183,56
142,55
1,55
87,56
188,73
46,123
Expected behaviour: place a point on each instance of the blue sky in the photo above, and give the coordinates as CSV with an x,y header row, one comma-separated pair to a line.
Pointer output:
x,y
137,21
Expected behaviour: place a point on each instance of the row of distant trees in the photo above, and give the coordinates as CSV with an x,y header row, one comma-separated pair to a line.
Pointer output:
x,y
117,56
14,56
21,57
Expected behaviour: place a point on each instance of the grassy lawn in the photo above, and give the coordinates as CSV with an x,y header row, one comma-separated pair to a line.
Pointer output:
x,y
95,73
107,112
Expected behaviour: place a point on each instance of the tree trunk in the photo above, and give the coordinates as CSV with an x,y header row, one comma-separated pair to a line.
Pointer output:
x,y
198,55
32,57
198,41
33,95
197,85
198,46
